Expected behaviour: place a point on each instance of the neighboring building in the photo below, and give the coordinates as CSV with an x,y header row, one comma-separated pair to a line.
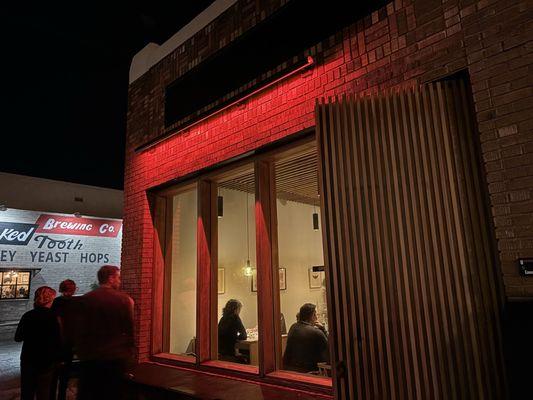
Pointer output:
x,y
51,231
30,193
401,211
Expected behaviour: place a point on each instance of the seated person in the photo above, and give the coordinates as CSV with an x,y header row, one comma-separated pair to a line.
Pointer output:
x,y
230,329
307,342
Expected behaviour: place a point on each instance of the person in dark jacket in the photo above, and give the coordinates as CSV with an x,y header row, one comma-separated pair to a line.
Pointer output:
x,y
62,303
38,329
104,342
230,329
307,342
64,308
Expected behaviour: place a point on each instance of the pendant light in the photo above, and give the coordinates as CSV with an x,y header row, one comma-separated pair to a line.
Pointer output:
x,y
220,205
315,220
248,270
315,214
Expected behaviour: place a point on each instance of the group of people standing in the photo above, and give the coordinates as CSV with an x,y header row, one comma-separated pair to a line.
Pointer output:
x,y
307,340
96,329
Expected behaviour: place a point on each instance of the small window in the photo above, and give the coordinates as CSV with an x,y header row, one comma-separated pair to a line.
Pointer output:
x,y
15,284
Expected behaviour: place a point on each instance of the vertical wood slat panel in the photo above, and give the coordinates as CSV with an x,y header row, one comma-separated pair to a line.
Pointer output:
x,y
410,263
324,160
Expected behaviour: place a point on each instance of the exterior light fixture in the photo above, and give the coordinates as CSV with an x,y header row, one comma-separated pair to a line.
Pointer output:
x,y
3,207
220,206
77,214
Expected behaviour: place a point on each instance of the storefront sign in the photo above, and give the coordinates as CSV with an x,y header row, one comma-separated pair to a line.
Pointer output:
x,y
66,225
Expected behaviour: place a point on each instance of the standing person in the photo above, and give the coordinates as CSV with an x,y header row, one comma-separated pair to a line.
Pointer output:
x,y
63,307
105,343
307,342
60,306
231,329
38,329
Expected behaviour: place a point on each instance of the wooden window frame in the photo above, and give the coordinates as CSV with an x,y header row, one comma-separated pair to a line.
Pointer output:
x,y
268,299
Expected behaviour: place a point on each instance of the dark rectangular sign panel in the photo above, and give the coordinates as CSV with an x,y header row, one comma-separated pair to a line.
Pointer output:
x,y
15,233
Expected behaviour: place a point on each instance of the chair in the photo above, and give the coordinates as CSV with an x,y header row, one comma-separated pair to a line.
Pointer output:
x,y
191,348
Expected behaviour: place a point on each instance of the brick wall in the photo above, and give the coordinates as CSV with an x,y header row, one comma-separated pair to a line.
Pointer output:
x,y
405,43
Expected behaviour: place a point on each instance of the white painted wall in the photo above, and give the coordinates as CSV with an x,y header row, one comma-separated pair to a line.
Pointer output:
x,y
30,193
54,254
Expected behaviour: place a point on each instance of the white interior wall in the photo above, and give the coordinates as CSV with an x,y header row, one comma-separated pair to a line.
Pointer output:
x,y
300,248
233,253
183,286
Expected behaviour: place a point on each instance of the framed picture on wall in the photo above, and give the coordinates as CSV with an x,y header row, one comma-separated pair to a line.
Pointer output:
x,y
282,279
315,278
254,280
221,281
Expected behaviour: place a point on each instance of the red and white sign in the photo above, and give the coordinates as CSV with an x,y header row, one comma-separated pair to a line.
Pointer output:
x,y
63,225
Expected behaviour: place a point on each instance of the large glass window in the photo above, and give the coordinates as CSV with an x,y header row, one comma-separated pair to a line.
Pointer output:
x,y
220,262
237,285
303,304
183,226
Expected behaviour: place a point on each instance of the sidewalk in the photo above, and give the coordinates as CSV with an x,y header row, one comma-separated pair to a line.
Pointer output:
x,y
10,373
9,370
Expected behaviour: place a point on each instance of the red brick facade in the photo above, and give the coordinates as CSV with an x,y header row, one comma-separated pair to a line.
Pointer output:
x,y
405,43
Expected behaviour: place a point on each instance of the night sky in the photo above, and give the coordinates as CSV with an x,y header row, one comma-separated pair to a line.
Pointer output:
x,y
64,87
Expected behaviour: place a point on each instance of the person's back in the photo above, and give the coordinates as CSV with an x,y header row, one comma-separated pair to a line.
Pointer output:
x,y
38,329
107,328
105,343
306,346
230,329
64,307
307,343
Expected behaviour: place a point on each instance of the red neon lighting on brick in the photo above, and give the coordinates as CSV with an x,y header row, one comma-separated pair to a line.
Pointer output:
x,y
310,61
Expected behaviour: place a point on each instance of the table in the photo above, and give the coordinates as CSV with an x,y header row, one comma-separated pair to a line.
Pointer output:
x,y
251,347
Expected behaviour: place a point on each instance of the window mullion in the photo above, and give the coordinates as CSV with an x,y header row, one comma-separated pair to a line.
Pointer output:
x,y
267,273
206,305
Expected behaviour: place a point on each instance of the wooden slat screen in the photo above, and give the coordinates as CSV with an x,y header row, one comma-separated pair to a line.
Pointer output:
x,y
414,293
